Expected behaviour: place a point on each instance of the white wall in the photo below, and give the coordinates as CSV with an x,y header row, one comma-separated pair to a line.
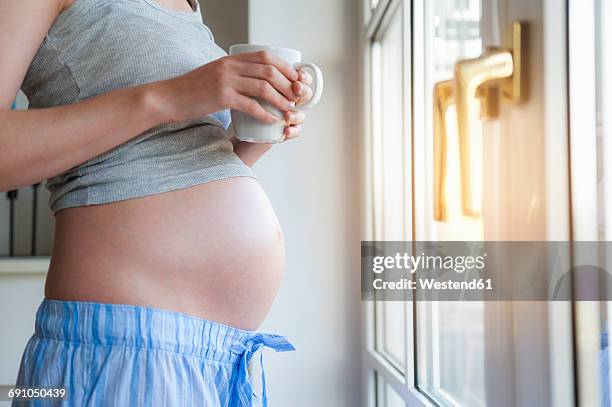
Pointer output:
x,y
314,186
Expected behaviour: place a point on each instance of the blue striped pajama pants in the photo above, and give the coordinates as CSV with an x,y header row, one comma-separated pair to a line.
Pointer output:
x,y
123,355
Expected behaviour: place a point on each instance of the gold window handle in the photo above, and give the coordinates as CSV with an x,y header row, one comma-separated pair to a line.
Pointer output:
x,y
496,76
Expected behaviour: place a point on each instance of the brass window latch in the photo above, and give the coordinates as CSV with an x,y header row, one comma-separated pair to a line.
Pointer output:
x,y
478,88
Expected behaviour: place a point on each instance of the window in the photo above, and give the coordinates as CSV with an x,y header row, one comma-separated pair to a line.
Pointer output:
x,y
386,396
451,32
467,353
390,195
390,189
603,55
444,375
591,117
590,67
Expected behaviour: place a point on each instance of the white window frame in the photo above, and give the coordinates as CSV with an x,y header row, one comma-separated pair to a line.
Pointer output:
x,y
375,363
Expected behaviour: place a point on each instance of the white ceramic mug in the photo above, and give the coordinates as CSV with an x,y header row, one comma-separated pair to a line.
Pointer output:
x,y
250,129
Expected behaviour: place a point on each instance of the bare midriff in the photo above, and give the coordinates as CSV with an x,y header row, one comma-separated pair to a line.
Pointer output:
x,y
213,251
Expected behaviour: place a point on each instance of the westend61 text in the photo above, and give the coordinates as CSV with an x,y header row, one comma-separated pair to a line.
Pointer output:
x,y
432,284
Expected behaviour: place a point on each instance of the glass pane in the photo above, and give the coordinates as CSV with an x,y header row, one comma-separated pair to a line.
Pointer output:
x,y
391,199
386,396
604,118
393,344
603,51
461,349
395,205
450,341
453,33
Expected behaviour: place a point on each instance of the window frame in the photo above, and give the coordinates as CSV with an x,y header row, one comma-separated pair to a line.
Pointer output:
x,y
376,365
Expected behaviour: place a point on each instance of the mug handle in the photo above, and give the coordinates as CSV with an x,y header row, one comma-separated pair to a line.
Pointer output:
x,y
318,84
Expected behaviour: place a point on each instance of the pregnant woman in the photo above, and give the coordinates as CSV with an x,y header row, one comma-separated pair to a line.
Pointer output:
x,y
167,253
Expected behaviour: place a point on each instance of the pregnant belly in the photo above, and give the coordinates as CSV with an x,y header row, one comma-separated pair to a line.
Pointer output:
x,y
214,251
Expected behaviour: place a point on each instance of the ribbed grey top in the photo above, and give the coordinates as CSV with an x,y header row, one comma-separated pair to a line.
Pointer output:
x,y
97,46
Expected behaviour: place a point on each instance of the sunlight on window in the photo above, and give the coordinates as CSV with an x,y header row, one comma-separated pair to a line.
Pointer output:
x,y
460,227
451,335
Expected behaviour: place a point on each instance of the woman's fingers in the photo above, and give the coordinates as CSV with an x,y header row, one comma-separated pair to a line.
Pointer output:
x,y
266,76
294,118
302,87
298,88
251,107
271,74
263,89
305,92
305,77
267,58
292,132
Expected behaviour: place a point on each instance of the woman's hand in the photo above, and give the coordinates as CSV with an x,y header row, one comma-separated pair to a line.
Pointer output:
x,y
249,153
295,119
232,83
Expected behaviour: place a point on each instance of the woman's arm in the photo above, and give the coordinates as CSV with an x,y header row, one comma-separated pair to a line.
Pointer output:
x,y
40,143
37,144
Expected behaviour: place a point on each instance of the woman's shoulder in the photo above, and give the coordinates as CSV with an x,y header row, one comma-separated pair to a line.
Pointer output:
x,y
64,5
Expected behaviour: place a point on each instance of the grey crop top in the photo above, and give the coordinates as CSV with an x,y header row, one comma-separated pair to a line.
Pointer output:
x,y
96,46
